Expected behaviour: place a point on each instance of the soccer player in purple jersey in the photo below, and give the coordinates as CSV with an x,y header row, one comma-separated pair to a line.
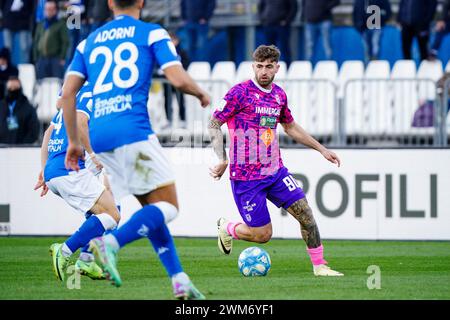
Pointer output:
x,y
252,111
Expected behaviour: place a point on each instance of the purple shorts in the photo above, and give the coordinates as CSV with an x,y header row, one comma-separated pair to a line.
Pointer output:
x,y
250,196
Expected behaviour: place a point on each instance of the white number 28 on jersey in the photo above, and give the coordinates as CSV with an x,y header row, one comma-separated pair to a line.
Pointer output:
x,y
119,65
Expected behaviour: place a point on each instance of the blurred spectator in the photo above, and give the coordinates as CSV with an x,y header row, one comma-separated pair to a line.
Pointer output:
x,y
196,15
19,123
50,45
80,32
98,13
415,17
276,17
169,89
424,115
371,36
318,19
442,29
6,70
17,26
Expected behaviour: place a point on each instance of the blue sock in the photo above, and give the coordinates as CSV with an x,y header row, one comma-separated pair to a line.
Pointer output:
x,y
142,224
91,228
164,246
86,247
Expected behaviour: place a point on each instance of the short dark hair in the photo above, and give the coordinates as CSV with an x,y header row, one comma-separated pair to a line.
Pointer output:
x,y
54,2
125,3
263,53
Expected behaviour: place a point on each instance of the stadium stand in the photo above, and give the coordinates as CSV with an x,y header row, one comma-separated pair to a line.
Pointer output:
x,y
46,96
27,76
198,118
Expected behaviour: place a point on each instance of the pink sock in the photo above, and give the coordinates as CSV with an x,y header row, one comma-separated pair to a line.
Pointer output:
x,y
316,255
231,229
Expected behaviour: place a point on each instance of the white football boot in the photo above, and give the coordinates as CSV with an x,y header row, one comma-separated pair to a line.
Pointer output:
x,y
325,271
224,240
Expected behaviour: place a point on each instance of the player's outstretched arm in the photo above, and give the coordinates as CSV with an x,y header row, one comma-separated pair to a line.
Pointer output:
x,y
83,128
70,89
216,136
183,81
44,156
296,132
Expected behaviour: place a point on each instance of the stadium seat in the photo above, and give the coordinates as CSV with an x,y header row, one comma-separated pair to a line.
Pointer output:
x,y
350,70
377,69
321,109
47,91
282,72
27,76
200,70
404,69
244,71
300,70
223,76
404,96
428,73
224,70
197,118
350,90
297,89
376,111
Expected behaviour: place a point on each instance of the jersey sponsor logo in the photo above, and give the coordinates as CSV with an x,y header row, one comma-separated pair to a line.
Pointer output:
x,y
267,110
267,137
120,103
268,122
55,145
115,34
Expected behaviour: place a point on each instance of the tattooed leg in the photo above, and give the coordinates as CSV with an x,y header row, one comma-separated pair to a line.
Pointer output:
x,y
302,212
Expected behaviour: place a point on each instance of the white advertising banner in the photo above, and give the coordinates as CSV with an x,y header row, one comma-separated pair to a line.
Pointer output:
x,y
375,194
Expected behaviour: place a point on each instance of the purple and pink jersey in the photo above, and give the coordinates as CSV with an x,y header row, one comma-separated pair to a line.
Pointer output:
x,y
252,114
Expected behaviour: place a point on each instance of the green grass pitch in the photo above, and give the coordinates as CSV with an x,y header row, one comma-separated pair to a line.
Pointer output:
x,y
409,270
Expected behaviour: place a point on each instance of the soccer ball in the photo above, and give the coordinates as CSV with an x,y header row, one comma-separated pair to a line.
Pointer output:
x,y
254,262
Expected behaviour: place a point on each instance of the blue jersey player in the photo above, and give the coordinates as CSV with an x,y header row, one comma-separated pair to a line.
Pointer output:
x,y
82,191
118,60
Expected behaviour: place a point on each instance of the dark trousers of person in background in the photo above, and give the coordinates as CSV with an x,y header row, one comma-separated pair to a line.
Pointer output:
x,y
169,90
279,36
21,40
49,68
197,37
313,32
76,36
408,34
439,36
371,41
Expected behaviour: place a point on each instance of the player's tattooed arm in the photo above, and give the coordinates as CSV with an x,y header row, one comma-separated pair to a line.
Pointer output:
x,y
216,135
302,212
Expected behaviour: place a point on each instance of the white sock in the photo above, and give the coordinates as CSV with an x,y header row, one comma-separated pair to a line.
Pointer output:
x,y
86,257
180,277
66,252
112,241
